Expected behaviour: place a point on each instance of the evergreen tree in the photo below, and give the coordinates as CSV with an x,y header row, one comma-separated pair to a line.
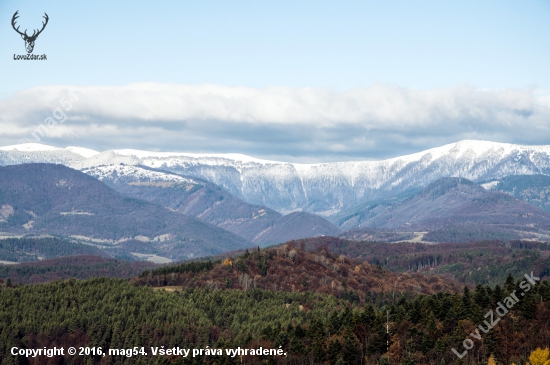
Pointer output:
x,y
466,304
509,284
498,294
351,351
481,297
334,351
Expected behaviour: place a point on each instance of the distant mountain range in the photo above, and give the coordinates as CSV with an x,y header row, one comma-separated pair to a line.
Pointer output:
x,y
182,205
325,188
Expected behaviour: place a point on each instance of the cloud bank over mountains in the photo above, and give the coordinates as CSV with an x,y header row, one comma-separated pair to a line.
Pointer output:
x,y
300,124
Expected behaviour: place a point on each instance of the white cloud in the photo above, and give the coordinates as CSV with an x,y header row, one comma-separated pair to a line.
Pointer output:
x,y
300,121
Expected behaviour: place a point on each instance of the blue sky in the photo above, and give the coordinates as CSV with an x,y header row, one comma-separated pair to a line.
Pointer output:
x,y
326,46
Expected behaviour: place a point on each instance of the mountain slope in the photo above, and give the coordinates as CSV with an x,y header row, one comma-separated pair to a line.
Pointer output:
x,y
458,201
211,203
459,208
45,198
534,189
356,216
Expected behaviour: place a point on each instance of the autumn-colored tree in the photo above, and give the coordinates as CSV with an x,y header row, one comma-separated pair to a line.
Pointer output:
x,y
491,360
540,357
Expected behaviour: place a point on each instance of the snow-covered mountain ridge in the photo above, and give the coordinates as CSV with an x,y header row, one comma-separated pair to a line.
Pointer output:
x,y
322,188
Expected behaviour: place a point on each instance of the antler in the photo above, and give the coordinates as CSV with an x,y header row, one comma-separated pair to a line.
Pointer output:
x,y
34,34
43,24
15,16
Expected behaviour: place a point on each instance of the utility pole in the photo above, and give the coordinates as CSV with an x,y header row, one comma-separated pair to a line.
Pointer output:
x,y
387,330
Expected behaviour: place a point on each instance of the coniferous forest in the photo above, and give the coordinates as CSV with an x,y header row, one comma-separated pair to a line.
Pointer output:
x,y
344,325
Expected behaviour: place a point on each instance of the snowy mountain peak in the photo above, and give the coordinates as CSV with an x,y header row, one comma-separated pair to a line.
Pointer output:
x,y
39,147
478,148
30,147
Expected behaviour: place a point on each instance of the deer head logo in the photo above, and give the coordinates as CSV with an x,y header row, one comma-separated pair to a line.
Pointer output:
x,y
29,40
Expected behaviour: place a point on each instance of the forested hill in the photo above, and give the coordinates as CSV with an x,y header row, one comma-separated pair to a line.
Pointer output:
x,y
311,328
480,262
79,267
293,269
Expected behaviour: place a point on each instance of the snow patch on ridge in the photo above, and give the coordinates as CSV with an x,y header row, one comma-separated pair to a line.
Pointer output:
x,y
490,185
113,173
214,157
84,152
